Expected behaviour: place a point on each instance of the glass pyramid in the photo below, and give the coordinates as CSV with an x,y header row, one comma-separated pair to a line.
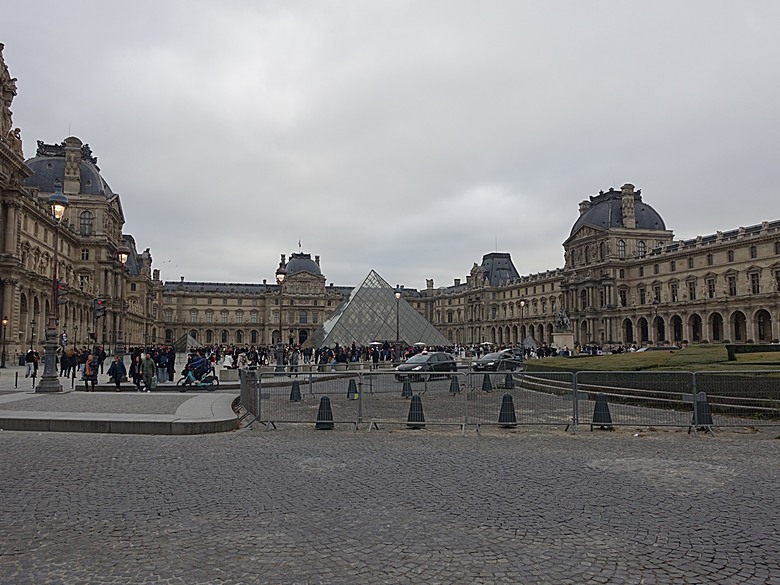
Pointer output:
x,y
369,315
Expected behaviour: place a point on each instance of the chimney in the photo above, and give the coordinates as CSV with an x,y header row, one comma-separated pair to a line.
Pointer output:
x,y
584,206
627,206
317,260
72,183
182,278
457,282
156,274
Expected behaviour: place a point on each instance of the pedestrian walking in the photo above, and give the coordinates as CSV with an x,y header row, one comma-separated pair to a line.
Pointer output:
x,y
90,374
117,372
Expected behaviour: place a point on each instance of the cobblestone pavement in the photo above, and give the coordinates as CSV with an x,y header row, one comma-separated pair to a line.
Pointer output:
x,y
303,506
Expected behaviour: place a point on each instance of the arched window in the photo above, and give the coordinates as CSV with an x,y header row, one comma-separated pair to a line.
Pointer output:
x,y
587,255
753,252
86,221
621,249
641,248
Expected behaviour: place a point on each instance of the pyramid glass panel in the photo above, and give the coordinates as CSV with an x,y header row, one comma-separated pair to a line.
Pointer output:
x,y
369,315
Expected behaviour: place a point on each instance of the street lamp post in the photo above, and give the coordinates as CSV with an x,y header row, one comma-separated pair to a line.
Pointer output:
x,y
397,294
32,333
656,326
123,252
522,326
281,274
75,336
50,381
5,327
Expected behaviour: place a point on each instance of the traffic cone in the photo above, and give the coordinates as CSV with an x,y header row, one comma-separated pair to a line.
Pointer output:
x,y
407,389
507,417
454,385
324,415
352,392
487,385
601,415
295,392
416,418
509,381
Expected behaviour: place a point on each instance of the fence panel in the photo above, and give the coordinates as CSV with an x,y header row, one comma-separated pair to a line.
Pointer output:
x,y
538,398
442,403
294,397
743,398
249,384
636,398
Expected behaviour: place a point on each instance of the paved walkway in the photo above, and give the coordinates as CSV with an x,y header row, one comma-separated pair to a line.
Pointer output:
x,y
164,411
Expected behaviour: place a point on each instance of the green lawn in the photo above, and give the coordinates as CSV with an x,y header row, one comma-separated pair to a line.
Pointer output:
x,y
692,359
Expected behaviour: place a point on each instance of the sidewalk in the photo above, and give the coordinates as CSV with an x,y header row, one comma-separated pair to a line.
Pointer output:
x,y
164,411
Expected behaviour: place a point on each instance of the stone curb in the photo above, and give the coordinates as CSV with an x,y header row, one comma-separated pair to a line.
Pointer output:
x,y
204,413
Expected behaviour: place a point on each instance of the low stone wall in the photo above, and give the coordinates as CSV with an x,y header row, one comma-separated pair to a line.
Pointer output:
x,y
733,349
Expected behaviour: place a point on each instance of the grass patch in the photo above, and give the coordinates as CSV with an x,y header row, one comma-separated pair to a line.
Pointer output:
x,y
694,358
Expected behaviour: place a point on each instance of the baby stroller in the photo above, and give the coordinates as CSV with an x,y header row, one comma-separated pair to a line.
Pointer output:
x,y
191,378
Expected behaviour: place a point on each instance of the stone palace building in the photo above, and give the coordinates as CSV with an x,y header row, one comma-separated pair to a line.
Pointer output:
x,y
625,280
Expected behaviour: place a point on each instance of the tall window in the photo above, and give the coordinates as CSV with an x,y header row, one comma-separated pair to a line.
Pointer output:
x,y
602,251
691,290
85,253
730,255
253,318
304,318
193,316
224,316
621,249
209,316
657,294
622,295
690,263
642,296
641,248
672,265
755,283
732,284
239,317
709,259
673,292
711,288
86,219
753,252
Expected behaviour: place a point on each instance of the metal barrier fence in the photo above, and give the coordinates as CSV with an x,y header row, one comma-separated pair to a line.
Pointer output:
x,y
604,399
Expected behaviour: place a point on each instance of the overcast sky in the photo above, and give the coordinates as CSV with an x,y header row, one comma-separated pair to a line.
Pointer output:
x,y
406,137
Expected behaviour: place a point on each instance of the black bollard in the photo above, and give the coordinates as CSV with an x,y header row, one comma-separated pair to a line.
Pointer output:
x,y
507,417
324,415
454,385
295,392
601,416
509,381
352,392
407,389
487,385
416,418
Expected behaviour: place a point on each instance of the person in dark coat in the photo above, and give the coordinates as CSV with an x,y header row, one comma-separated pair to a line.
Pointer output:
x,y
117,372
90,374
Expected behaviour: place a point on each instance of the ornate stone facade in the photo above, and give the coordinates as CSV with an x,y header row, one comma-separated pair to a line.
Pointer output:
x,y
626,280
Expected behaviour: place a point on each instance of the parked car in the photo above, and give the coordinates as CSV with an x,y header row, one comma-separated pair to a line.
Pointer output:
x,y
423,365
498,361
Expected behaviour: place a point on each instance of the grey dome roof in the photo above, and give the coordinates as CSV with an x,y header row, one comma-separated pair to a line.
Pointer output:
x,y
48,167
302,263
606,211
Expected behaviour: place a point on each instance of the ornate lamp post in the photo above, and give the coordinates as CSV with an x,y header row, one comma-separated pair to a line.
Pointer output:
x,y
50,381
656,325
522,326
281,274
123,252
5,328
75,336
397,293
32,333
